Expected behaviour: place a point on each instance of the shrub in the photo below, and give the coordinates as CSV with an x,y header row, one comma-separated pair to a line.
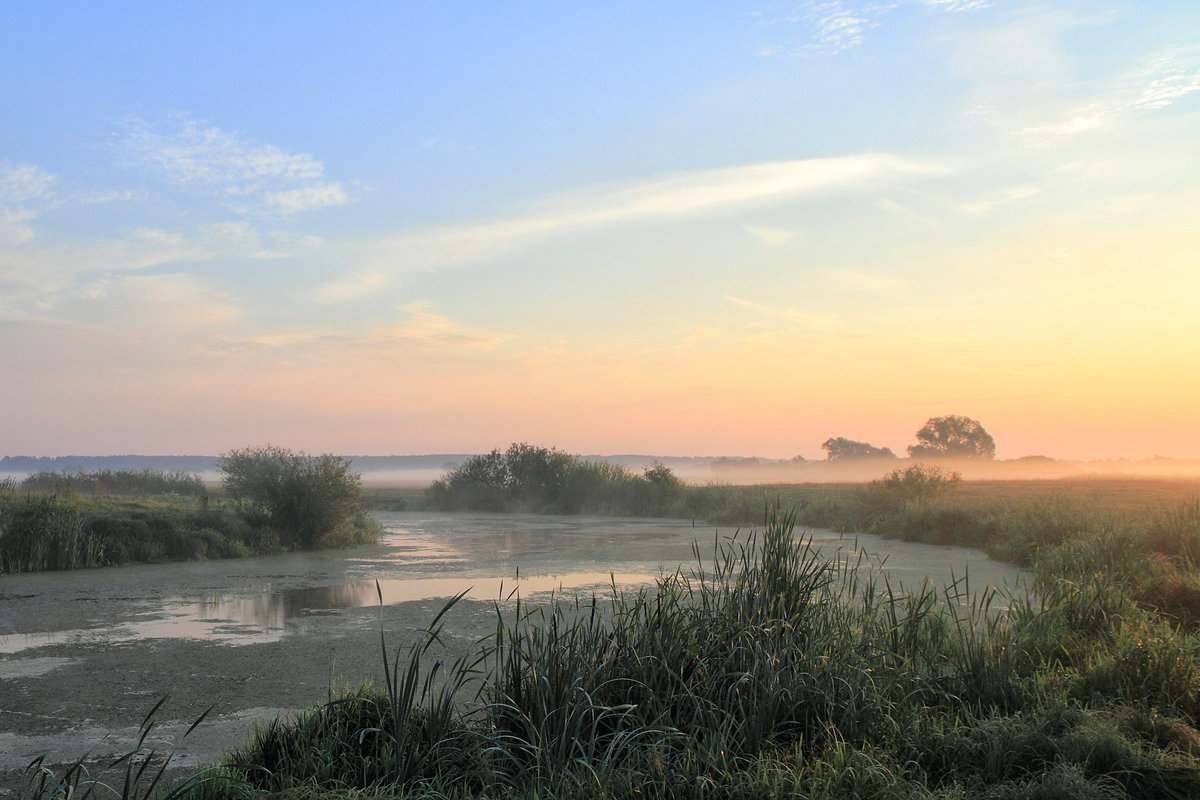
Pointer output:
x,y
920,482
310,500
544,480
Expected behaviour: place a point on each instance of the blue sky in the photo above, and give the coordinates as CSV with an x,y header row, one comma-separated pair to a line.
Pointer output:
x,y
692,228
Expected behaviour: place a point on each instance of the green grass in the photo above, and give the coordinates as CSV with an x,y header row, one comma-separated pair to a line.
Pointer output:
x,y
70,531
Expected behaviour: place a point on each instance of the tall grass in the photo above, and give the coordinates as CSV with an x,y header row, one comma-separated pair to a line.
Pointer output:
x,y
766,670
120,482
51,532
61,521
40,533
137,774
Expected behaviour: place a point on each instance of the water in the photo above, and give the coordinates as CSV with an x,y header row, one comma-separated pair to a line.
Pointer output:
x,y
419,557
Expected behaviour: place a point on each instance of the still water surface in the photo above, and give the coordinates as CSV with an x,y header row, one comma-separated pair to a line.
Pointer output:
x,y
418,557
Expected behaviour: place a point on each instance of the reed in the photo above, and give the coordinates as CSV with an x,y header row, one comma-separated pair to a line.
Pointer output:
x,y
765,669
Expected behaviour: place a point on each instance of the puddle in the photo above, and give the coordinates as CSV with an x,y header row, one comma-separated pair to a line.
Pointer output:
x,y
268,617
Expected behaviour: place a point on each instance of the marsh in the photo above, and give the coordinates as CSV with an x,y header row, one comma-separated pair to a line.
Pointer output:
x,y
84,655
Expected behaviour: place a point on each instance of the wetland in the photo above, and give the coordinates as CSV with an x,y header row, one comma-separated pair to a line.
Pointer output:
x,y
85,654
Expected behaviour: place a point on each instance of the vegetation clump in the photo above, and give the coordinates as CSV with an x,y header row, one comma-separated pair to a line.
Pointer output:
x,y
119,483
544,480
276,501
953,436
843,449
311,501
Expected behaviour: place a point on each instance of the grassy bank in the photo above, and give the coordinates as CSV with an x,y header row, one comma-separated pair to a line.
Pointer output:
x,y
768,671
54,521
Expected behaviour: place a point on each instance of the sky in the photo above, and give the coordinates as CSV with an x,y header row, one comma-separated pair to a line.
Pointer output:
x,y
680,228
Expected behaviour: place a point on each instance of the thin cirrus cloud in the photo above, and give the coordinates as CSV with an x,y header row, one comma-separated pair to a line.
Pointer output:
x,y
24,191
863,281
295,201
34,273
167,301
677,196
830,27
419,328
812,320
22,182
200,156
1160,82
770,236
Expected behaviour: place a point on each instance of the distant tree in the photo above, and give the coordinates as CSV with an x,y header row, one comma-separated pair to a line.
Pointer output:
x,y
843,449
953,436
310,500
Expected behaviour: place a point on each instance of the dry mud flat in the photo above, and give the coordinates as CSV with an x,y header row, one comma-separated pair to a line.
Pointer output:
x,y
85,655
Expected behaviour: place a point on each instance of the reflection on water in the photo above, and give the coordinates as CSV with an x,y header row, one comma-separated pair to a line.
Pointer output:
x,y
256,619
430,556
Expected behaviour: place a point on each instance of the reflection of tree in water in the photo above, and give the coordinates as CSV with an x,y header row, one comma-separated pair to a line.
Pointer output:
x,y
275,609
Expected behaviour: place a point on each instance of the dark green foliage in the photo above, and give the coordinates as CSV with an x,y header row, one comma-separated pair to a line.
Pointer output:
x,y
544,480
121,483
312,501
40,532
953,436
843,449
286,501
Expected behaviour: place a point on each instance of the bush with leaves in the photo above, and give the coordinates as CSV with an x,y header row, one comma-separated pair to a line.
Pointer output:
x,y
312,501
545,480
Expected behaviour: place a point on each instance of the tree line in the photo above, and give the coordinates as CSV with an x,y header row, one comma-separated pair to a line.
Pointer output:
x,y
948,437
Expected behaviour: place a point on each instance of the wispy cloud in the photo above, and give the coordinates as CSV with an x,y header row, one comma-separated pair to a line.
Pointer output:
x,y
295,201
835,26
864,281
37,276
24,191
830,27
770,236
418,328
690,194
1003,197
202,157
812,320
958,5
13,227
899,210
817,26
20,182
172,300
1157,83
351,286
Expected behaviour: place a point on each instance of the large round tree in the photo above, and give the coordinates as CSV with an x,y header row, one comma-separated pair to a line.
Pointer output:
x,y
953,436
